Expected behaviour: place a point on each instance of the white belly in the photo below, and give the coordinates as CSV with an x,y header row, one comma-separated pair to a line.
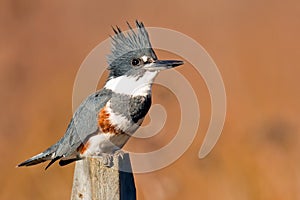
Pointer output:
x,y
104,143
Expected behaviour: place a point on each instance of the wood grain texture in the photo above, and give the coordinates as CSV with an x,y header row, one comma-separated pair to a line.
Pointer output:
x,y
94,181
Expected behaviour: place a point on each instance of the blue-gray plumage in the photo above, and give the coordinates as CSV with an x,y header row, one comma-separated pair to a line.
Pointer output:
x,y
106,119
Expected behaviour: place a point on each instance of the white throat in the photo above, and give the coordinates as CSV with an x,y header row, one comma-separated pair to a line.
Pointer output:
x,y
131,85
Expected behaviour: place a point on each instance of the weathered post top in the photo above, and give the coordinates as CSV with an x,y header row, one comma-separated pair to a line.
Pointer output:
x,y
95,181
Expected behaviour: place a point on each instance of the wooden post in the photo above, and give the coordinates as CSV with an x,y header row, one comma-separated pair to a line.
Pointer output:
x,y
95,181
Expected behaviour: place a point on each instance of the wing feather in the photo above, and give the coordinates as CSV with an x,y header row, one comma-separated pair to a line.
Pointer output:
x,y
83,123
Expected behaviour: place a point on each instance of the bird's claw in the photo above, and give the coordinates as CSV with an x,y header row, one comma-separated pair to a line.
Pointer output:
x,y
120,153
107,159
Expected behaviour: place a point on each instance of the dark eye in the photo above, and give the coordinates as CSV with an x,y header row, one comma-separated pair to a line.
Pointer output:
x,y
135,62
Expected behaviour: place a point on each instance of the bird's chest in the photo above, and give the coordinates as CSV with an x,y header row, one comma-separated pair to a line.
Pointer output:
x,y
117,121
123,114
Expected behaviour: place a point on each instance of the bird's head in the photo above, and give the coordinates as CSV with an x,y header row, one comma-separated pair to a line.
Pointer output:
x,y
132,53
132,57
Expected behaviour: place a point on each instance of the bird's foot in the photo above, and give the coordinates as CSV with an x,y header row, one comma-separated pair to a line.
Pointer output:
x,y
107,159
120,153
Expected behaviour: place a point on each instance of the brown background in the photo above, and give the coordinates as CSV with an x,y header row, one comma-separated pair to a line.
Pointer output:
x,y
255,45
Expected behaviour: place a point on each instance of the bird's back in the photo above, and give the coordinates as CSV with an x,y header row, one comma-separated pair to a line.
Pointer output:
x,y
83,123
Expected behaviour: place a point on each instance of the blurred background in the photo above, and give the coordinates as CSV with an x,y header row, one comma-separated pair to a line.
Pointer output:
x,y
255,45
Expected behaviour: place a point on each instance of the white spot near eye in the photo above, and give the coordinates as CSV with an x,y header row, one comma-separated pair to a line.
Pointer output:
x,y
144,58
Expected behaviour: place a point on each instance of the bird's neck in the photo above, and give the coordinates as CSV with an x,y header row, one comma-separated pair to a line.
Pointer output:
x,y
132,85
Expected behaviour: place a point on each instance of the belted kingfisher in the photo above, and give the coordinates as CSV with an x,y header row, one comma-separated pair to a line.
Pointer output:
x,y
106,119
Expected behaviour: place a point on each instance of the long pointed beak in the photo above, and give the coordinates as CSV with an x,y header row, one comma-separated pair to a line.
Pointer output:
x,y
158,65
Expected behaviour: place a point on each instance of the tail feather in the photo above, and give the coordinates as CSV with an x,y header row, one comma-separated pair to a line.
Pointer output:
x,y
53,161
66,162
42,157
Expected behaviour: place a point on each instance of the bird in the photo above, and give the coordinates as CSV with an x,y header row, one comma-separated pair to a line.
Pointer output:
x,y
107,118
